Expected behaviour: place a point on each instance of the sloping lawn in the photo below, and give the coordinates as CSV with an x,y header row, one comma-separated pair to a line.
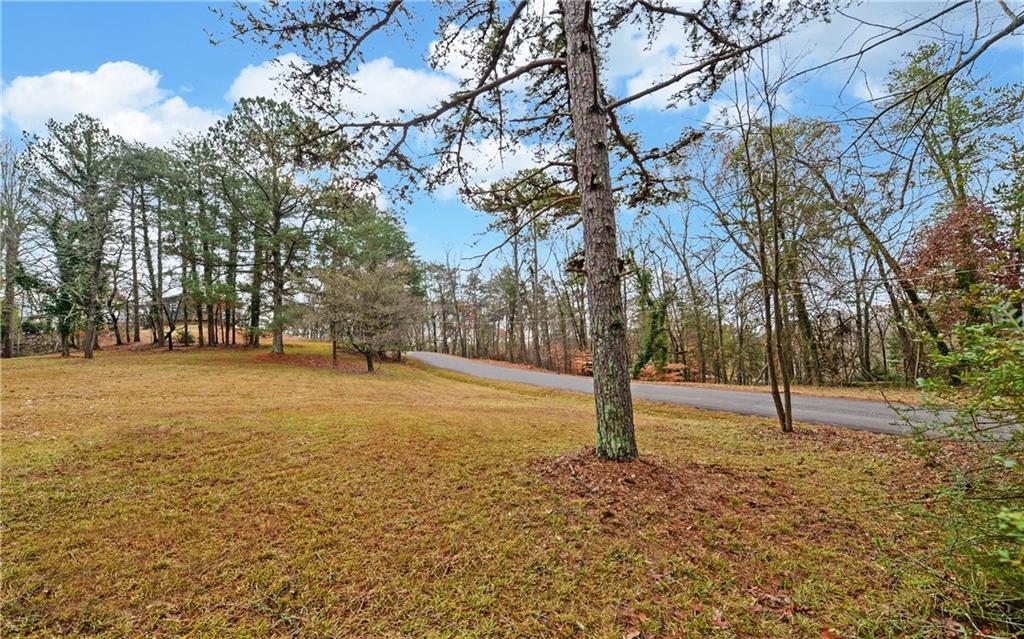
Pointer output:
x,y
226,493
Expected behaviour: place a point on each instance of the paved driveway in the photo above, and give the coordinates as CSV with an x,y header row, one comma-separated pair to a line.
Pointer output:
x,y
857,414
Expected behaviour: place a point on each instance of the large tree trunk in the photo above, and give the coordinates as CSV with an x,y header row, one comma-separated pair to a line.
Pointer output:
x,y
535,305
211,312
334,345
433,331
156,303
163,311
233,231
93,305
114,318
515,321
278,318
10,268
812,355
277,295
136,334
198,310
253,337
614,402
723,375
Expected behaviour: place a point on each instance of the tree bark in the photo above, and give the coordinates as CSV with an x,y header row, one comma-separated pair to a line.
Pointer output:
x,y
136,334
334,346
775,365
612,396
198,310
113,313
812,355
156,302
278,266
278,311
535,305
211,313
10,270
723,375
162,309
516,321
93,306
253,336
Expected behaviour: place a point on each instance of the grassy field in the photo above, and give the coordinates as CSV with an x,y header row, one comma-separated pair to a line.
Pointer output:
x,y
226,493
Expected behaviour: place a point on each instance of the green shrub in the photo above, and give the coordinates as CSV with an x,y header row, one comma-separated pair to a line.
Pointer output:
x,y
981,401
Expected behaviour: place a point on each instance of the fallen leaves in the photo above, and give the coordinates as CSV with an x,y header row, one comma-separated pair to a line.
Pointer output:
x,y
718,620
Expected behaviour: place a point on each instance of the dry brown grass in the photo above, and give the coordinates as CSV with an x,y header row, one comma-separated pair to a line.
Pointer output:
x,y
215,493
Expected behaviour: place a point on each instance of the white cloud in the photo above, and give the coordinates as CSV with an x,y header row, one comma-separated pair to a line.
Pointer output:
x,y
263,80
125,96
383,88
387,89
872,24
536,18
455,62
633,64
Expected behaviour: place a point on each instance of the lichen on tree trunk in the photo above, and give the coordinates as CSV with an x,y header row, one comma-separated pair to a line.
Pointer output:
x,y
614,403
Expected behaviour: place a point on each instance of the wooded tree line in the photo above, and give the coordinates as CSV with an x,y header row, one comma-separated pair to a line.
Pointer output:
x,y
879,241
784,262
766,247
218,240
534,74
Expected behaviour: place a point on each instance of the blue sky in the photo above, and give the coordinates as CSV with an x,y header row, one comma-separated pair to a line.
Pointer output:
x,y
149,71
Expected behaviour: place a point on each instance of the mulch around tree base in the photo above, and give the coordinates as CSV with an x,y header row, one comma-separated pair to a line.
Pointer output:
x,y
675,496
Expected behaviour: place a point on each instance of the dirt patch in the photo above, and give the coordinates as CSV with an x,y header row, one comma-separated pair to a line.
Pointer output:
x,y
308,361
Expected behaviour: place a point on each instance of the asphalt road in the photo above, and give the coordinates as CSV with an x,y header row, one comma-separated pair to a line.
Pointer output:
x,y
856,414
